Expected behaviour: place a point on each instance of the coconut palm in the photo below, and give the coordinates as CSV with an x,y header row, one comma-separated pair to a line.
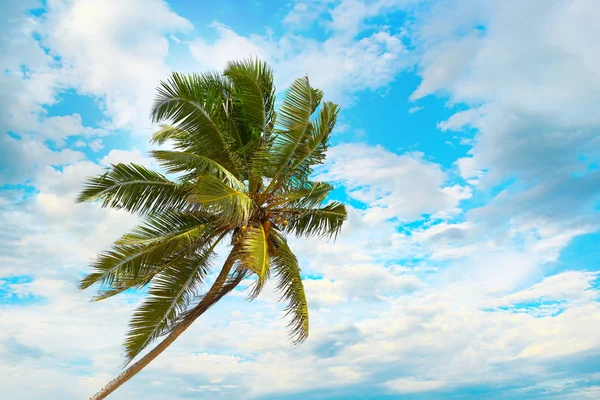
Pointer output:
x,y
240,180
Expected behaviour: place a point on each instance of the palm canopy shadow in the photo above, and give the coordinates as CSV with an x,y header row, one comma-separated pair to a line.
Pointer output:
x,y
242,174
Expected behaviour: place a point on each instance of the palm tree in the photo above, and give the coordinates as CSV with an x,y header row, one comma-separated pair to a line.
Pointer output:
x,y
241,178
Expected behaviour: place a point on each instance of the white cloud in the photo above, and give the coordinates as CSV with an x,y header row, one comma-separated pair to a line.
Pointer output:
x,y
341,65
530,94
229,46
22,157
532,104
116,156
571,285
439,340
342,17
58,128
83,330
100,47
415,109
96,145
411,385
324,292
110,50
468,168
105,49
304,13
547,74
393,186
65,235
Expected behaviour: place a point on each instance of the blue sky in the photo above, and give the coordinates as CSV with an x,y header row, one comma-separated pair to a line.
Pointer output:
x,y
467,152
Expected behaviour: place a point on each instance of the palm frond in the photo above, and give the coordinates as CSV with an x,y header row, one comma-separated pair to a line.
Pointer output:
x,y
255,256
137,257
321,222
291,288
293,123
308,195
104,294
259,164
194,165
136,189
172,291
254,96
253,114
214,195
201,305
300,101
313,151
170,223
194,104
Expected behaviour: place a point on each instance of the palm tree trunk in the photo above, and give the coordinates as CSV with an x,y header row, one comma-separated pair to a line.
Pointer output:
x,y
213,295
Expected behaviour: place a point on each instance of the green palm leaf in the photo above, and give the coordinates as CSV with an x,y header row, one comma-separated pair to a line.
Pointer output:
x,y
172,291
255,256
253,111
195,165
326,221
138,256
213,195
254,97
136,189
291,288
313,152
293,124
308,195
195,106
122,286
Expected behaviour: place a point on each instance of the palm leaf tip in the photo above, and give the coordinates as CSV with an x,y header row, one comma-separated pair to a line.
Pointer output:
x,y
89,193
320,222
291,289
254,99
197,121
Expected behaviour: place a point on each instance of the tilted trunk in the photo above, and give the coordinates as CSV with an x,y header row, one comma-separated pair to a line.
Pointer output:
x,y
212,296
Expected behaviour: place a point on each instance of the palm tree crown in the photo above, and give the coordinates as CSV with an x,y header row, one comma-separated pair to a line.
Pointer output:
x,y
241,174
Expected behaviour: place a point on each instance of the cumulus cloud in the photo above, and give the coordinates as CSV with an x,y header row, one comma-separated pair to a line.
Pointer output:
x,y
441,341
108,49
341,65
528,91
531,104
571,286
411,385
490,67
227,47
61,233
403,186
22,157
